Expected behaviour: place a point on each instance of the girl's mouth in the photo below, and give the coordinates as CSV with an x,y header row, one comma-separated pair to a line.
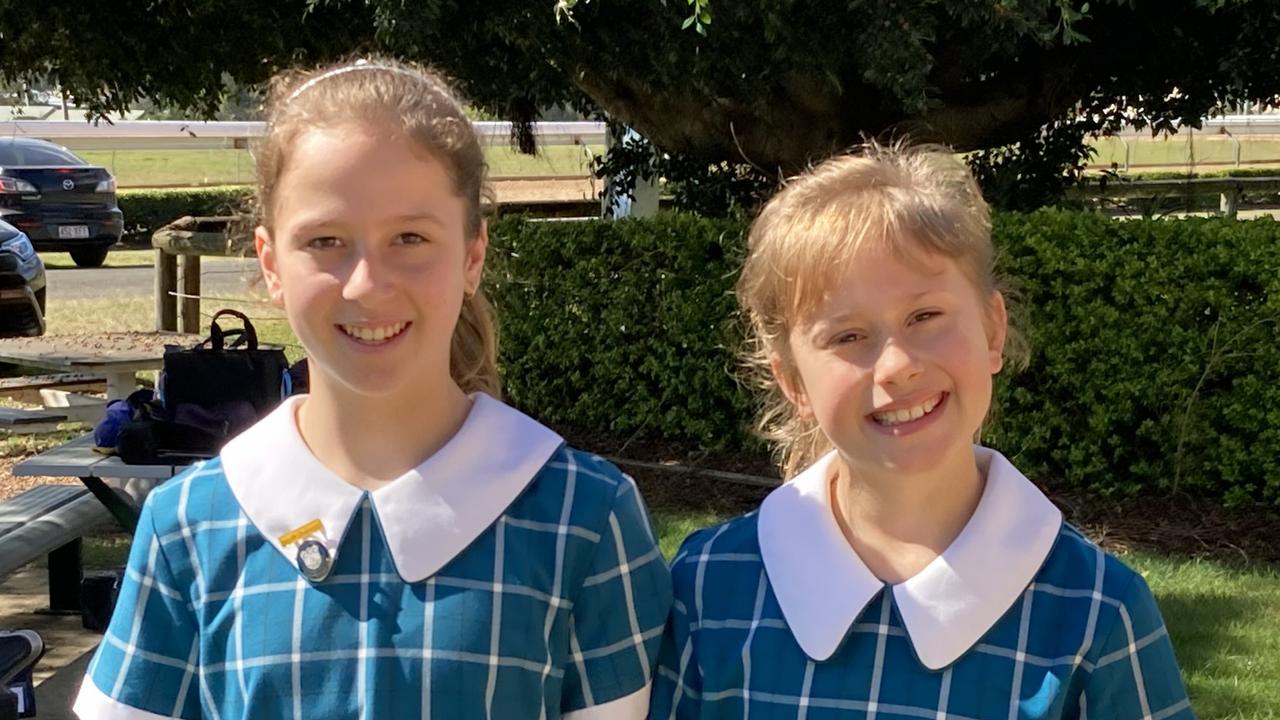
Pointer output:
x,y
374,334
901,416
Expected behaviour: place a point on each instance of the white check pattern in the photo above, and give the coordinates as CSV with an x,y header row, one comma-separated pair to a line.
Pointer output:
x,y
1085,639
557,607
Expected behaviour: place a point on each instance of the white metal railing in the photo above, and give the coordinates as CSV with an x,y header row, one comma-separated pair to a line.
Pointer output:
x,y
198,135
1255,124
178,134
195,133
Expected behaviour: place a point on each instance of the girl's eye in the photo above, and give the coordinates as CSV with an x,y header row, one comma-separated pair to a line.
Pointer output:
x,y
846,337
410,239
924,315
323,243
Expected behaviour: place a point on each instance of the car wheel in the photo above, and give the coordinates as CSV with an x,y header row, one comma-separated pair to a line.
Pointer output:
x,y
89,257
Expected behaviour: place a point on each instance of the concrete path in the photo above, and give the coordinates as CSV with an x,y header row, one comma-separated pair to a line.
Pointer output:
x,y
218,276
68,646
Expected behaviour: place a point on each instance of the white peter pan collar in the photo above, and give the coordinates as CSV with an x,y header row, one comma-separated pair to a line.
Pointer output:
x,y
822,585
428,515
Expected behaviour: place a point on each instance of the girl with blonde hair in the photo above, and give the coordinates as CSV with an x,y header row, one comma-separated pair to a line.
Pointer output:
x,y
901,571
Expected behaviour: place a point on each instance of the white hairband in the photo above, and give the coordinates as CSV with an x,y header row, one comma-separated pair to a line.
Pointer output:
x,y
359,65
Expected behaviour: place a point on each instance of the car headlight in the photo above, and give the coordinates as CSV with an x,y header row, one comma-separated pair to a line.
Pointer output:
x,y
20,245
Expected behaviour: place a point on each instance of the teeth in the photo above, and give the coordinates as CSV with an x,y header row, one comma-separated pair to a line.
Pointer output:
x,y
897,417
374,335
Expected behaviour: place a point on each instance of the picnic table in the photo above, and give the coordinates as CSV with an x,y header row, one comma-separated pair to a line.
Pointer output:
x,y
52,519
98,473
117,356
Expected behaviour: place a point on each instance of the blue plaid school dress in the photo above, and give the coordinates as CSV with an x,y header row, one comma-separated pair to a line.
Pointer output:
x,y
1022,617
506,577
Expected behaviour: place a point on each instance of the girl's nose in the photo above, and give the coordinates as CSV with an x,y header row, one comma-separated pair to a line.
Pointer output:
x,y
896,364
369,278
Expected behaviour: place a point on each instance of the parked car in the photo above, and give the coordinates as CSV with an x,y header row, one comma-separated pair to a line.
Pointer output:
x,y
22,285
60,201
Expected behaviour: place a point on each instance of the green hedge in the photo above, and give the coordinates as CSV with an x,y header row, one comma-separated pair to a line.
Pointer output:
x,y
1154,364
626,326
146,211
1154,357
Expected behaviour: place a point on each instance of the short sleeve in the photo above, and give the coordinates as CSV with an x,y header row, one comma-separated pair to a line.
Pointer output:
x,y
1135,674
619,613
145,666
677,684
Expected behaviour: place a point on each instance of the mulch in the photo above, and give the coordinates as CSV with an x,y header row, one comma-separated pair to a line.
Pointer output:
x,y
1175,524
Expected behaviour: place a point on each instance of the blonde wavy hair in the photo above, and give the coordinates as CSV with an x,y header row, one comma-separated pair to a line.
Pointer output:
x,y
897,198
418,101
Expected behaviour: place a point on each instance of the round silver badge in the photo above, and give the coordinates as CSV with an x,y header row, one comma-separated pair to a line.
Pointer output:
x,y
68,184
314,560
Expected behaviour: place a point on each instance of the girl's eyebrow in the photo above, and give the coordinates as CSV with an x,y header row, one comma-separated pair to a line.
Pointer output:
x,y
421,216
847,315
319,222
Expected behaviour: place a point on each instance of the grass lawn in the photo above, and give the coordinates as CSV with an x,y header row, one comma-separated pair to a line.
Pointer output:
x,y
155,168
115,258
1185,150
1224,620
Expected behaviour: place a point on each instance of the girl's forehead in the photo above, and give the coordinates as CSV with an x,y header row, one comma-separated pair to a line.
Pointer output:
x,y
351,161
355,143
873,277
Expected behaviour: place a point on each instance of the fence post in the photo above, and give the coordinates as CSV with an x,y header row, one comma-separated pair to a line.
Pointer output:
x,y
166,285
1229,201
190,318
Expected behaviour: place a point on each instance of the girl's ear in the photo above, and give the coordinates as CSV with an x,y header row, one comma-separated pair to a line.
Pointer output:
x,y
267,261
792,386
473,268
997,330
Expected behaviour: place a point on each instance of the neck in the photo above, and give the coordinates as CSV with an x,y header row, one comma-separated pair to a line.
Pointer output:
x,y
898,523
370,441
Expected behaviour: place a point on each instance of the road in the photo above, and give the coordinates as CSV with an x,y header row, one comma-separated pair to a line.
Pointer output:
x,y
218,277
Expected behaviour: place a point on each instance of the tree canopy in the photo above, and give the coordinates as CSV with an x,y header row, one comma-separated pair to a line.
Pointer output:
x,y
765,85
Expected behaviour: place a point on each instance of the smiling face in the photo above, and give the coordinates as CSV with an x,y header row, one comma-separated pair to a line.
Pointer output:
x,y
895,362
370,258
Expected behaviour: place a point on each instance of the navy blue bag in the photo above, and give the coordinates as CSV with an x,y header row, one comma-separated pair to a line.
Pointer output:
x,y
237,380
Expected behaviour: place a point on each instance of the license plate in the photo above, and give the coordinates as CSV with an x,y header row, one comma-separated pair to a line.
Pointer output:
x,y
72,232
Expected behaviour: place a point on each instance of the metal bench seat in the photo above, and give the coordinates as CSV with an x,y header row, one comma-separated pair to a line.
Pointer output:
x,y
20,418
50,520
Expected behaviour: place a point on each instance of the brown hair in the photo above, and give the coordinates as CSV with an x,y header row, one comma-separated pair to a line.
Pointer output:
x,y
893,198
418,101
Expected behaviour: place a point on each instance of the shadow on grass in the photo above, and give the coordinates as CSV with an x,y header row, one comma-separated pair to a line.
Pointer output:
x,y
1212,657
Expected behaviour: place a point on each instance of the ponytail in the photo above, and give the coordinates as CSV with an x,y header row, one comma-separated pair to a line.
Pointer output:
x,y
473,354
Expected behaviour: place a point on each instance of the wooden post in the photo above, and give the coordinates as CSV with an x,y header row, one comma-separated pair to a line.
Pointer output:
x,y
166,285
191,294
